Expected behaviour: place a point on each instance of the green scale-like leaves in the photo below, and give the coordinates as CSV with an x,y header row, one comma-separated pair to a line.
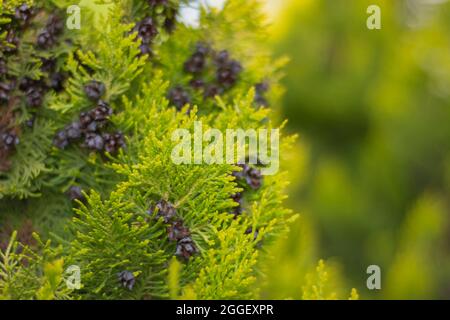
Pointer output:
x,y
113,229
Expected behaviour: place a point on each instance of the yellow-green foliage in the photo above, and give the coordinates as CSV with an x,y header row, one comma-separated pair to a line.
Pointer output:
x,y
26,274
319,285
201,194
8,7
53,273
373,107
113,231
417,263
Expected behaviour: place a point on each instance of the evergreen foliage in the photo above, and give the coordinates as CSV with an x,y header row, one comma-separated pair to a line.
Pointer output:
x,y
130,59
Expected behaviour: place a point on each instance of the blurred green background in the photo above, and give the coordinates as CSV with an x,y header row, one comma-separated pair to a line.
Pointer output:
x,y
372,165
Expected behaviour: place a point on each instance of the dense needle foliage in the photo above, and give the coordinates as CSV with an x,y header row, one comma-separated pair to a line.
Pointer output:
x,y
86,122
